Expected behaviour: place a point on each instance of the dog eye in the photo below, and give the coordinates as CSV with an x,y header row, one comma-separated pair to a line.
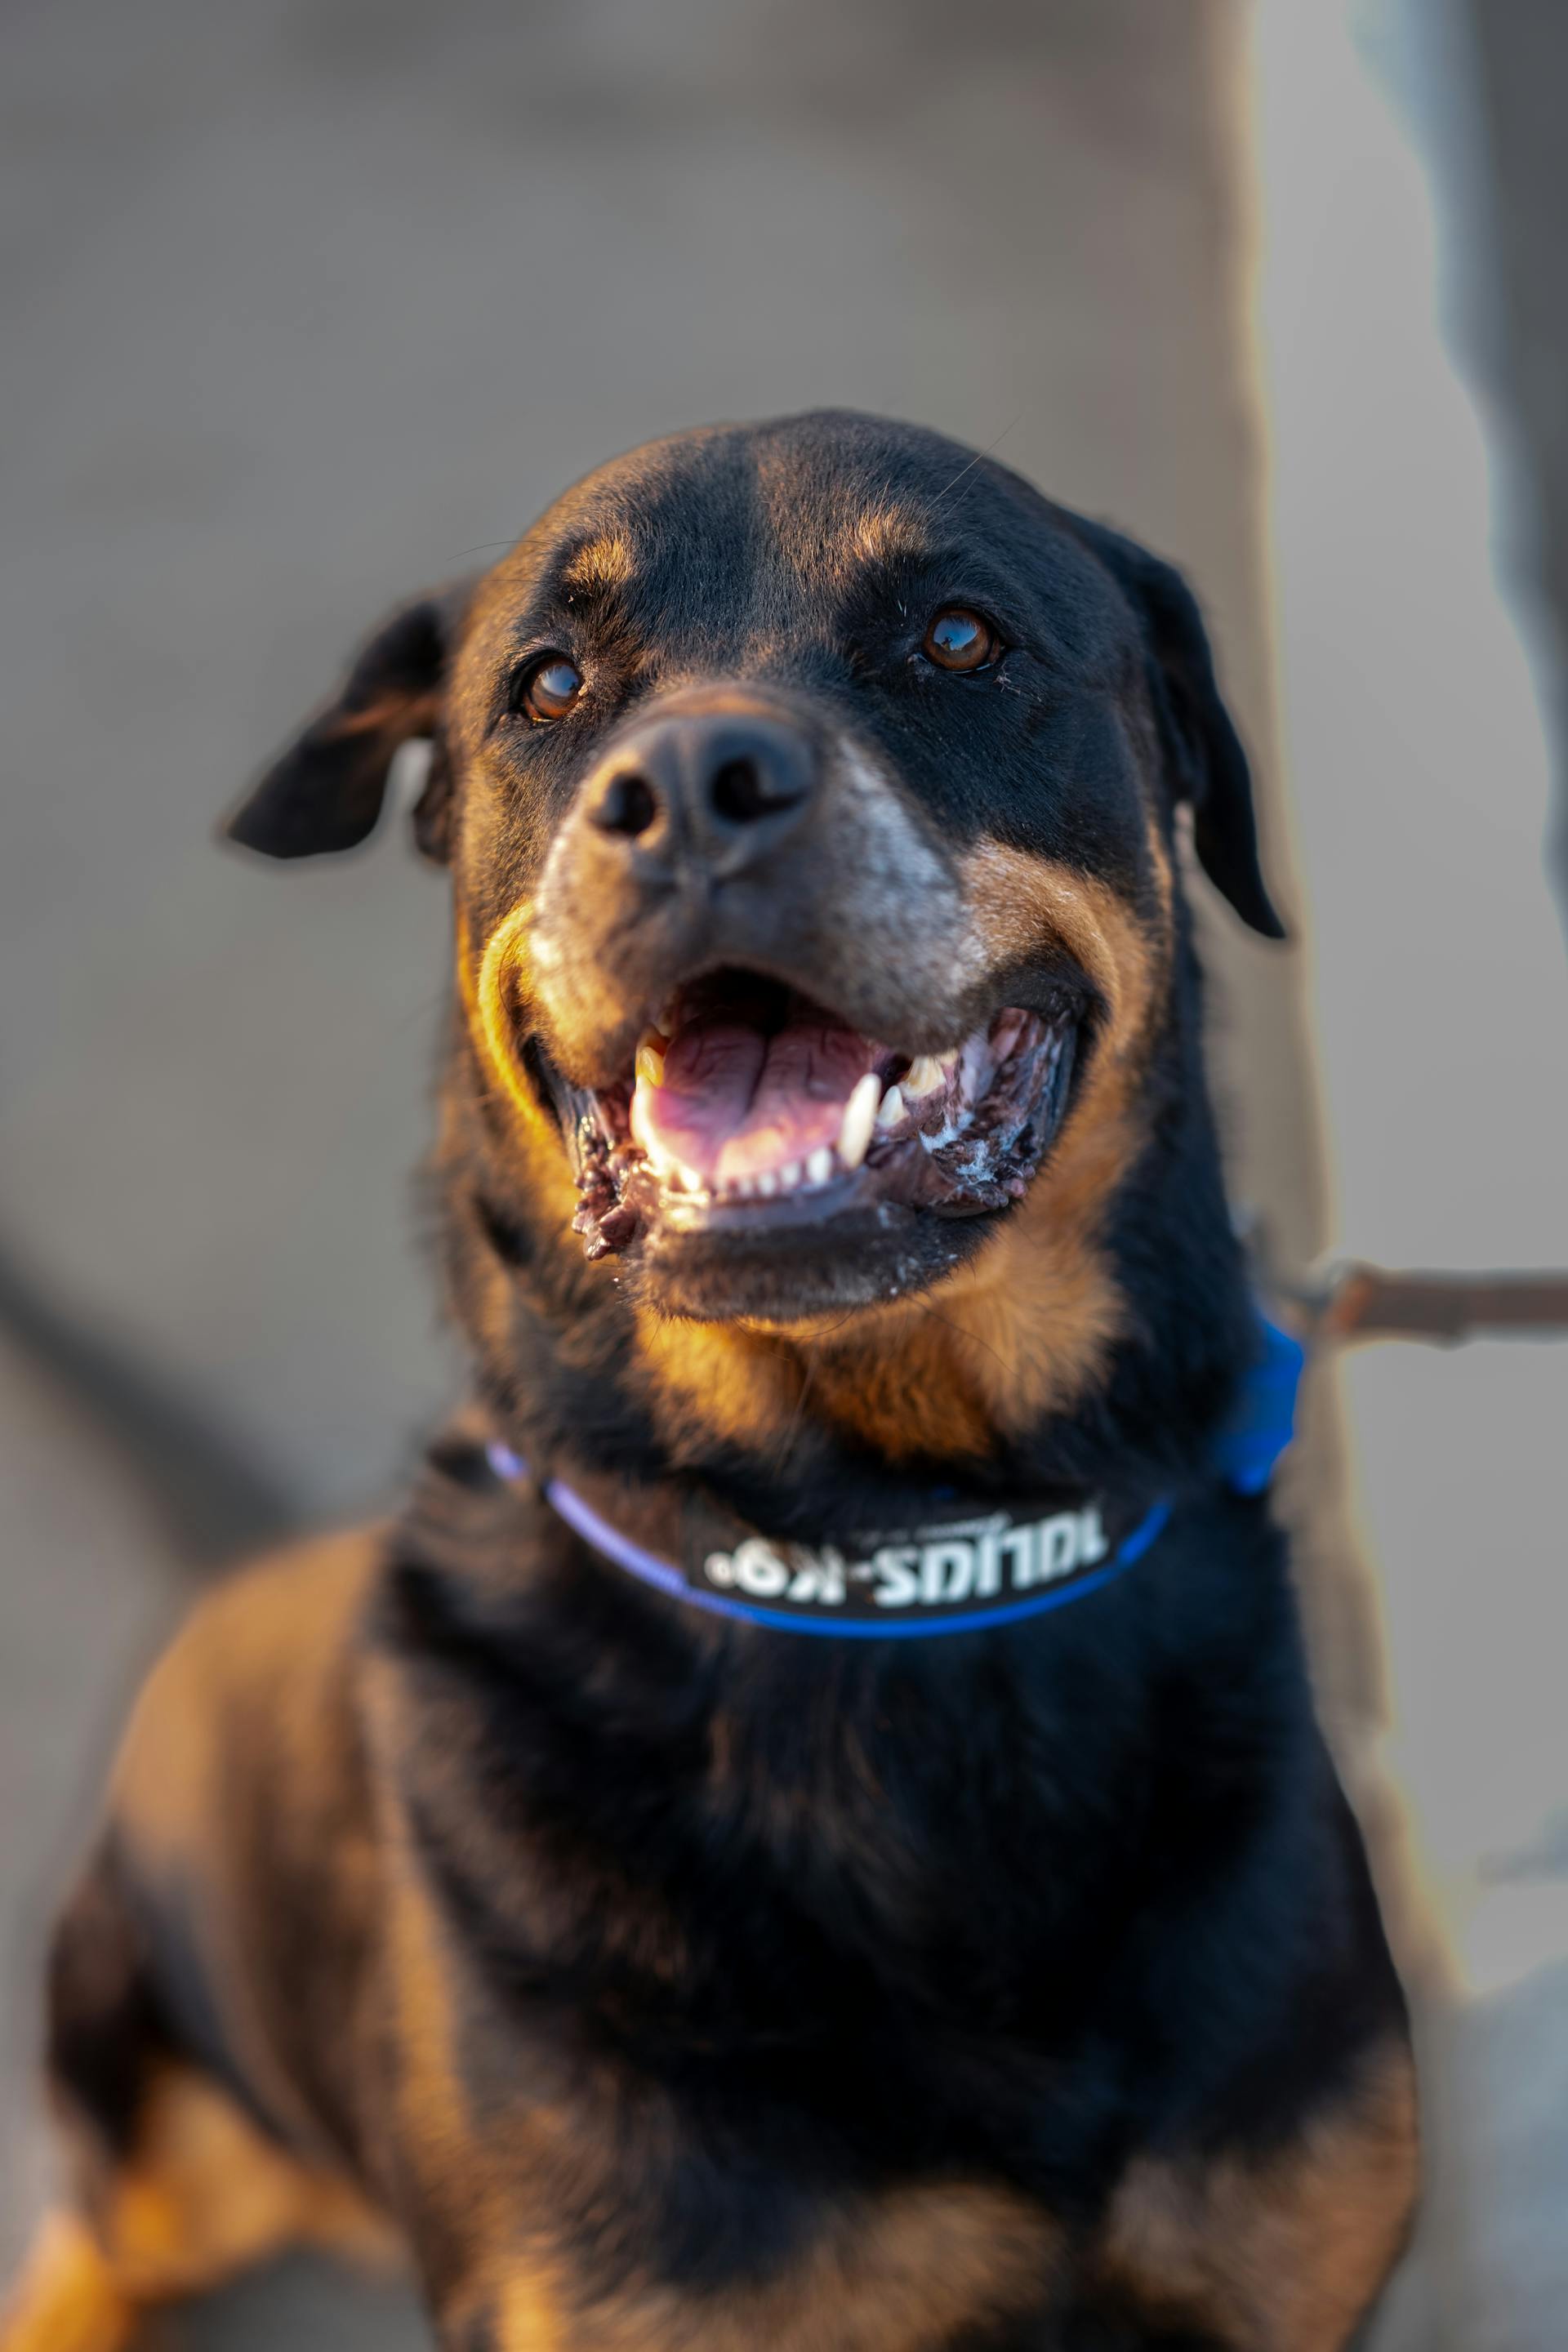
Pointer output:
x,y
959,639
550,689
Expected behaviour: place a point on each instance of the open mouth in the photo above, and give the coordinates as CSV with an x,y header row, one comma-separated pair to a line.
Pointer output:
x,y
750,1106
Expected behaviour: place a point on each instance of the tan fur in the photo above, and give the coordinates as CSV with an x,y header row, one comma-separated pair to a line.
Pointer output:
x,y
1039,1309
488,996
268,1646
67,2299
917,1396
901,2275
607,562
744,1386
1284,2255
492,985
879,534
433,2121
203,2198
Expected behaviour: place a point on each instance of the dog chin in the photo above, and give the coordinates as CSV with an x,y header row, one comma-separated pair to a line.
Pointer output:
x,y
723,1270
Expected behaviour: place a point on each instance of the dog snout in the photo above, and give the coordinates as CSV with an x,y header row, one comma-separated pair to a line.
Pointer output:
x,y
703,795
731,829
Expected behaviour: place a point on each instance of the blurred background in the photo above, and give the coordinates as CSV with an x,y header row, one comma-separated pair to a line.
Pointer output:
x,y
313,302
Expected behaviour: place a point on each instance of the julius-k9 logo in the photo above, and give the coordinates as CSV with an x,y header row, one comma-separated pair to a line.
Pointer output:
x,y
980,1559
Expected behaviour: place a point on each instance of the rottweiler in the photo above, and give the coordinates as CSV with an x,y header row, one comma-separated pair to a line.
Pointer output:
x,y
808,1828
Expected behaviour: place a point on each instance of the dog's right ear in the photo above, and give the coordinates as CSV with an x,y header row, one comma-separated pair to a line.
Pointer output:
x,y
325,790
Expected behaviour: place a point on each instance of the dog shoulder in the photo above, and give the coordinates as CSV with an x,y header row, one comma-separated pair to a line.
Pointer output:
x,y
266,1646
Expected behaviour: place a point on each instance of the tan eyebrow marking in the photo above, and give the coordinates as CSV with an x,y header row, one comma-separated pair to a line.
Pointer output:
x,y
607,562
886,535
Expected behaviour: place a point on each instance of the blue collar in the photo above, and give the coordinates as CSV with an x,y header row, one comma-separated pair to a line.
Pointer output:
x,y
956,1577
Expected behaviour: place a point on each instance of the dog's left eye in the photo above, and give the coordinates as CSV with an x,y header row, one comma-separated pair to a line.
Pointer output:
x,y
549,688
960,639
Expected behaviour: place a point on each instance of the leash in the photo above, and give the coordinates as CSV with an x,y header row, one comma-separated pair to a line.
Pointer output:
x,y
952,1576
1353,1302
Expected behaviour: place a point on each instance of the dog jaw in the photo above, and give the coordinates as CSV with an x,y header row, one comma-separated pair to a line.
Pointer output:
x,y
726,1127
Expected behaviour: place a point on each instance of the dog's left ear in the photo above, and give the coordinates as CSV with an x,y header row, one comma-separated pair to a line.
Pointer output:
x,y
1209,766
324,792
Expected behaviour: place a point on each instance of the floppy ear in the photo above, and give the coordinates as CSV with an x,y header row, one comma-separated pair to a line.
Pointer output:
x,y
1209,766
325,790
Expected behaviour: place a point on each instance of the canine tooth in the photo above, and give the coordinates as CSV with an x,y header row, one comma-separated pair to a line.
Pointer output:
x,y
742,1186
650,1058
859,1119
819,1166
690,1181
923,1076
789,1176
892,1109
767,1185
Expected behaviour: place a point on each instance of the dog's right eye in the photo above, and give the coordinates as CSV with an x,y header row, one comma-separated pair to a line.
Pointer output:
x,y
549,690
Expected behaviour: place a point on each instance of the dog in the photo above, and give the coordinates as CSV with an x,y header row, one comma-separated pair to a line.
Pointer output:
x,y
690,1880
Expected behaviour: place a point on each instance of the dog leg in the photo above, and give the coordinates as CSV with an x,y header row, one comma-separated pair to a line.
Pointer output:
x,y
66,2299
200,2196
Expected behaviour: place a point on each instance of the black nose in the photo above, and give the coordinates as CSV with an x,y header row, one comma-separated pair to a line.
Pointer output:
x,y
712,790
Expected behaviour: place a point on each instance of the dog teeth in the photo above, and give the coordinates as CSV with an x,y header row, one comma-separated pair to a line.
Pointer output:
x,y
789,1175
892,1108
767,1185
659,1162
690,1181
923,1076
859,1121
650,1058
819,1166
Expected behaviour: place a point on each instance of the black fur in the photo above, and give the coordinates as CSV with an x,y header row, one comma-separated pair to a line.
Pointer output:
x,y
106,2018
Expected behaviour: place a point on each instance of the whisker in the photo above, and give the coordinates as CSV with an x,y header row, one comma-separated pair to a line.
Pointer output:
x,y
979,454
972,1336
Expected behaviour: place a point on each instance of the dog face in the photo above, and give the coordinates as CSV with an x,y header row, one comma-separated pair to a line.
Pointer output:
x,y
809,790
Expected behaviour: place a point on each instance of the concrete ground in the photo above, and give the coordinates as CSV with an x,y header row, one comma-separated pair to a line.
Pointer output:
x,y
316,302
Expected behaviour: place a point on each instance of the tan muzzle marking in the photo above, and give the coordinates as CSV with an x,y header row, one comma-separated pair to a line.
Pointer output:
x,y
485,1000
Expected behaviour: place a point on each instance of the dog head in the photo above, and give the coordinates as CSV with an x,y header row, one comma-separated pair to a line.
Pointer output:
x,y
810,791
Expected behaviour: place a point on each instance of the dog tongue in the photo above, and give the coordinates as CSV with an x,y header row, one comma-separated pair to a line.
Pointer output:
x,y
736,1102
